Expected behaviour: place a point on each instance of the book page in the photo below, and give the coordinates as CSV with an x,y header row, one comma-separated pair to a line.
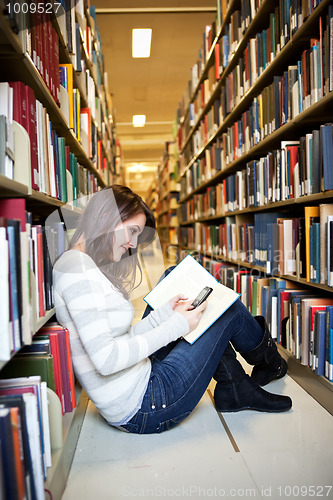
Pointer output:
x,y
189,278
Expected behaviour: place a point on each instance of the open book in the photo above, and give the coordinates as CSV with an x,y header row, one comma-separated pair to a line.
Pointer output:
x,y
189,278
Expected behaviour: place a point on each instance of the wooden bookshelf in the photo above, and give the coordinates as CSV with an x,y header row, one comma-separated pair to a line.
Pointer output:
x,y
305,121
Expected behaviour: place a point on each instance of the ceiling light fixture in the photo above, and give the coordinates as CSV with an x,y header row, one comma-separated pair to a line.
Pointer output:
x,y
139,120
141,42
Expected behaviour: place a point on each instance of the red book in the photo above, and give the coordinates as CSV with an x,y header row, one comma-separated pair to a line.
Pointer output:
x,y
54,345
19,103
70,369
217,61
55,64
50,56
216,270
240,273
65,371
18,454
68,398
67,157
292,151
34,34
45,49
32,132
40,46
14,208
313,309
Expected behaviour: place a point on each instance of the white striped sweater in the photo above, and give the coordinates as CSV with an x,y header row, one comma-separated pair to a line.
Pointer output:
x,y
110,357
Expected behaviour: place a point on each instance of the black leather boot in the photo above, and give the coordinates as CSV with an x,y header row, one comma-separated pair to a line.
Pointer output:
x,y
268,363
235,390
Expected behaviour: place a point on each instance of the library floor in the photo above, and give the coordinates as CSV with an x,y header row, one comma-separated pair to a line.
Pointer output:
x,y
238,455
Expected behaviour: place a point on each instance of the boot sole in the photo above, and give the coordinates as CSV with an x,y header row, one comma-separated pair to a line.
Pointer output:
x,y
254,409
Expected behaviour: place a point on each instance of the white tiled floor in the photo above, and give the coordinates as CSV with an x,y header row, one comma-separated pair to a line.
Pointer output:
x,y
281,456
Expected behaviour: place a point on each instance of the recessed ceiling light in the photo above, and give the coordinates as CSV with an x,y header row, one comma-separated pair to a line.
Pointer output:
x,y
141,42
139,120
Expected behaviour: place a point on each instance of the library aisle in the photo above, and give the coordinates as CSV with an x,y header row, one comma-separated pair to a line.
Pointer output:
x,y
240,455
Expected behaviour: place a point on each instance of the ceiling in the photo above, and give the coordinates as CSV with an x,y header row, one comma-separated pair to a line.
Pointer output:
x,y
152,86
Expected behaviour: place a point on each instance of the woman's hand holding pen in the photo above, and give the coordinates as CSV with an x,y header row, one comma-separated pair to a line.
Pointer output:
x,y
184,306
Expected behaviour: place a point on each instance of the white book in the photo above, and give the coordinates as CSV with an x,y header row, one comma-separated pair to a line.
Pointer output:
x,y
34,275
4,99
5,325
40,146
329,256
26,311
46,425
189,278
274,318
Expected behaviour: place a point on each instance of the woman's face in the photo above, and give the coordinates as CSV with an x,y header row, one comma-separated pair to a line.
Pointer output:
x,y
126,235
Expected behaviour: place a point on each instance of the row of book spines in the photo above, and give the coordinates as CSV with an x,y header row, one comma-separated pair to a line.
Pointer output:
x,y
42,44
25,437
50,157
26,278
260,51
233,31
281,245
242,78
282,27
255,124
97,112
299,168
280,301
44,51
49,357
312,76
278,104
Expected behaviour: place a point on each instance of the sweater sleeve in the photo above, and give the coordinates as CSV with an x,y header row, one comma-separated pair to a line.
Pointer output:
x,y
83,296
154,318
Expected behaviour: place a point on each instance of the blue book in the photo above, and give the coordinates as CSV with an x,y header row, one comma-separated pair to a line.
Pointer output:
x,y
300,85
264,300
270,250
316,244
329,344
259,55
287,20
326,135
277,80
13,285
319,342
286,116
266,179
264,49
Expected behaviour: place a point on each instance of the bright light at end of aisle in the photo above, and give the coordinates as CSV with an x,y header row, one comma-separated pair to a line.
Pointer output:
x,y
139,120
141,42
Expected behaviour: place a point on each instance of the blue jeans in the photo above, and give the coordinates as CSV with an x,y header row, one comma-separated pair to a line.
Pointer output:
x,y
181,372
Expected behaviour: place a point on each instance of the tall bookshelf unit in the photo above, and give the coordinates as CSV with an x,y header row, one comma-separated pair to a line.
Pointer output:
x,y
249,47
167,209
98,168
